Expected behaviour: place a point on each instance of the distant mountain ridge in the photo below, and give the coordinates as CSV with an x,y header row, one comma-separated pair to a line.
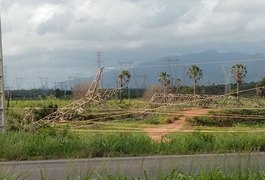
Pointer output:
x,y
212,62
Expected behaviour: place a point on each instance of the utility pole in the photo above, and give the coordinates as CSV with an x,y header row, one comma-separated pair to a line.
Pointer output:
x,y
2,89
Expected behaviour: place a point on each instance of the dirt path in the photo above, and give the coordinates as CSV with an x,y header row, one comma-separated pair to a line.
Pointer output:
x,y
159,132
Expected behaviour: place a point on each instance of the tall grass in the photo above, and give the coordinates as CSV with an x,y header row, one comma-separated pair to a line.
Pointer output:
x,y
51,144
206,175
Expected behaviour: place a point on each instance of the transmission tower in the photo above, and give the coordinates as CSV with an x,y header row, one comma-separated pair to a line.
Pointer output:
x,y
44,83
99,55
142,78
19,83
126,65
2,90
172,60
227,74
184,75
73,80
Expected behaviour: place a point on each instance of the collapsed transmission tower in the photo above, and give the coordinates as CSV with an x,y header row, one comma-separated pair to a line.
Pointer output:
x,y
94,96
2,90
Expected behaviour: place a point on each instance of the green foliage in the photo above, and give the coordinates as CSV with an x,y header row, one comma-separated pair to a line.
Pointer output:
x,y
164,79
239,72
124,78
44,111
51,144
261,82
231,117
195,73
159,120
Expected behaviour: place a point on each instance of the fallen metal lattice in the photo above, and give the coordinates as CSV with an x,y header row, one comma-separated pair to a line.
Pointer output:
x,y
94,96
204,100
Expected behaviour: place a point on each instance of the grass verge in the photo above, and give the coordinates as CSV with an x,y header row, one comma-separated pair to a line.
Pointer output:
x,y
51,144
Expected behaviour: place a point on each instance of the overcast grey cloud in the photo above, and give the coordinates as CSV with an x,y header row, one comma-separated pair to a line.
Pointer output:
x,y
59,38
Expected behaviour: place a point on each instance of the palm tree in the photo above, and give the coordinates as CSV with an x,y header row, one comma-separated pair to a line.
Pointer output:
x,y
239,72
123,80
164,79
194,73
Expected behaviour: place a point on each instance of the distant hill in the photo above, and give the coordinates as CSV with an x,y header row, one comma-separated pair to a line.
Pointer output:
x,y
213,64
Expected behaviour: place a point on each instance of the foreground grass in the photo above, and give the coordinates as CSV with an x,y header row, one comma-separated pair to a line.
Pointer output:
x,y
178,175
51,144
175,174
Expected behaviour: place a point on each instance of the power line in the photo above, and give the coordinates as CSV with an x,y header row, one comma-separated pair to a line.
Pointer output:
x,y
187,64
99,61
101,20
12,35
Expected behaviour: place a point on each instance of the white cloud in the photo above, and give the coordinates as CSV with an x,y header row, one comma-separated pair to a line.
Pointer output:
x,y
37,32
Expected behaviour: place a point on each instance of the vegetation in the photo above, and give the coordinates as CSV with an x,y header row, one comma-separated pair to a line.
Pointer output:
x,y
123,80
174,174
164,80
231,117
239,72
50,144
194,73
204,175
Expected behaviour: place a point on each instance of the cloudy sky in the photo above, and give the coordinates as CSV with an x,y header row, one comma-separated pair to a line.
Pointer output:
x,y
60,38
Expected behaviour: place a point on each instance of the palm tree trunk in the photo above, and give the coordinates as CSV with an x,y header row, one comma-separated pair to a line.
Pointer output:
x,y
237,90
194,87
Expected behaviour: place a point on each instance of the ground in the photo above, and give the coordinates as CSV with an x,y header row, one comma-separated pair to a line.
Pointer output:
x,y
158,133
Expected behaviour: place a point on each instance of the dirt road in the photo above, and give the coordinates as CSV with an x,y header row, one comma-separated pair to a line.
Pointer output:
x,y
159,132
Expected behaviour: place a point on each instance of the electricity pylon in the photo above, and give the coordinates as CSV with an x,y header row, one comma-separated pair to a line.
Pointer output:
x,y
227,74
94,96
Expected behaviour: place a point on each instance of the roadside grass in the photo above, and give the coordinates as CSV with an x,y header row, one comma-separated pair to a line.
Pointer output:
x,y
51,144
178,175
214,174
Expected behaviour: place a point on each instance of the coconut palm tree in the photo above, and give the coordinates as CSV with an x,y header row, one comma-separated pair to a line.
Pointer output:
x,y
239,72
123,80
164,79
194,73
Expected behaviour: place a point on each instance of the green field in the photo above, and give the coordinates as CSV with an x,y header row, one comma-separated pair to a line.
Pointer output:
x,y
116,129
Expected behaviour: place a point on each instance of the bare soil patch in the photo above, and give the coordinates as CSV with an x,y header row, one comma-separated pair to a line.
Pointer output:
x,y
159,132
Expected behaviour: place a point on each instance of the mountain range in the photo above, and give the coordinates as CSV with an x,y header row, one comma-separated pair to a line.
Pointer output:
x,y
216,67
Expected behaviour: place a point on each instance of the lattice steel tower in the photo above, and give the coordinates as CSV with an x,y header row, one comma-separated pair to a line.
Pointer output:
x,y
2,90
